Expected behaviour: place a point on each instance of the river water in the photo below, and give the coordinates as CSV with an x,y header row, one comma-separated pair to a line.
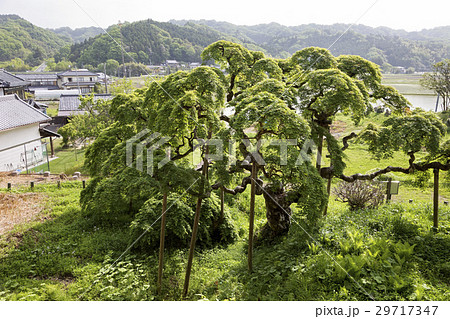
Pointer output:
x,y
426,102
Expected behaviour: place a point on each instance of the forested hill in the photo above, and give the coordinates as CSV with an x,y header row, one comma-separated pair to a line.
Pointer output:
x,y
152,42
21,39
79,34
381,45
149,42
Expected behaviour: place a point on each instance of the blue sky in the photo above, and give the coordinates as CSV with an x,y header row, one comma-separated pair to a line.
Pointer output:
x,y
398,14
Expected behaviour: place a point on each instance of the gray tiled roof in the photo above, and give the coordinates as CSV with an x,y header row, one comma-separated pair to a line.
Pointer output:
x,y
76,83
10,80
32,76
77,73
14,113
72,102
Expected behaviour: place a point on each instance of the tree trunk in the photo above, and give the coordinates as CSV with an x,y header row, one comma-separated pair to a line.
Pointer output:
x,y
278,213
319,152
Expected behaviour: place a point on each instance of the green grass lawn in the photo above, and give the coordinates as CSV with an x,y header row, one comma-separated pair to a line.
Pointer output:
x,y
406,83
68,161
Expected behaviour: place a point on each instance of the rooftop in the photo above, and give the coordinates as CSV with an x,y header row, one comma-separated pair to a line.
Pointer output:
x,y
14,113
34,76
72,102
77,73
10,80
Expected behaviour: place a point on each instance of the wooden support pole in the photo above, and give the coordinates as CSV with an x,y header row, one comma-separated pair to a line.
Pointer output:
x,y
251,217
161,242
222,198
388,190
436,198
192,246
196,222
9,186
329,192
51,147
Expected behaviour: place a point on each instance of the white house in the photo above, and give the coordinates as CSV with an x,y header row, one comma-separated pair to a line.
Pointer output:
x,y
20,140
82,79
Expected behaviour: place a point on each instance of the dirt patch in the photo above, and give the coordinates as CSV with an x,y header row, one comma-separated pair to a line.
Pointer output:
x,y
18,209
24,180
338,127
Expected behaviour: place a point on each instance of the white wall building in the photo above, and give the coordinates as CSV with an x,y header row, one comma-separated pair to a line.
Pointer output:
x,y
20,140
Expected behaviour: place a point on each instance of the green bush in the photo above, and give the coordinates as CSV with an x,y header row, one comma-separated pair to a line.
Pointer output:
x,y
213,229
360,194
404,229
122,194
421,178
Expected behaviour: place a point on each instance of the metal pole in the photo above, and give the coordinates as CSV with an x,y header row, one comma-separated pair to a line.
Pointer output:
x,y
26,160
437,103
436,198
161,242
106,85
46,152
388,190
251,217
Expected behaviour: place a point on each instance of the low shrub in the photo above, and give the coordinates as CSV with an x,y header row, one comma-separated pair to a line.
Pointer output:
x,y
360,194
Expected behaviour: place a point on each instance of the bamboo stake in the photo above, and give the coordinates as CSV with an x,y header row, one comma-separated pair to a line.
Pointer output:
x,y
161,242
196,222
436,198
221,203
251,218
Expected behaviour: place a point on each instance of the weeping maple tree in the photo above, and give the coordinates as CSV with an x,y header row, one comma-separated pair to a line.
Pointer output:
x,y
348,84
263,111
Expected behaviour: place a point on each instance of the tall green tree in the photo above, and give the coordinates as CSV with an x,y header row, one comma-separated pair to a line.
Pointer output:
x,y
439,81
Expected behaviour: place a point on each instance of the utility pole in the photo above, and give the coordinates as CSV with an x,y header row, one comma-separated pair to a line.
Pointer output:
x,y
106,85
121,49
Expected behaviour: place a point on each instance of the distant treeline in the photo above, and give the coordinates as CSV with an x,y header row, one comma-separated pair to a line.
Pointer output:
x,y
152,42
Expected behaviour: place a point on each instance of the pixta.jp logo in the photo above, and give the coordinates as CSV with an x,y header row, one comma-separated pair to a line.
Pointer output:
x,y
141,150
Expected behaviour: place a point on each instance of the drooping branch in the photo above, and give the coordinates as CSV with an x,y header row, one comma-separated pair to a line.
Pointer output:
x,y
225,118
240,188
412,168
179,155
346,139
